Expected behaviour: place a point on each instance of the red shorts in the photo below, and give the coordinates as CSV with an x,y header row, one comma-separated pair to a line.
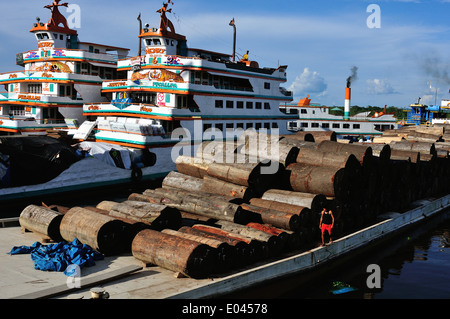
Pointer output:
x,y
326,227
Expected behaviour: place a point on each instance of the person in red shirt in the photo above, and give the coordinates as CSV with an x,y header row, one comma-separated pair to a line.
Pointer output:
x,y
326,224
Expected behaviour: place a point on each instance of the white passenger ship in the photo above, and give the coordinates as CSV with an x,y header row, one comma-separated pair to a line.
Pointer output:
x,y
318,118
60,76
171,86
169,90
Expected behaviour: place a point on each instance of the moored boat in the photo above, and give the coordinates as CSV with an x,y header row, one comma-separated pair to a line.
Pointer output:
x,y
59,76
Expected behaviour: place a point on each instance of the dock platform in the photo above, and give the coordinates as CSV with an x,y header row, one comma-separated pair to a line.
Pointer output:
x,y
124,277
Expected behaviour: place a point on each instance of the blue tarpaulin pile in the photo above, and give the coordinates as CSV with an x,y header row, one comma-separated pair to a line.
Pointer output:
x,y
58,256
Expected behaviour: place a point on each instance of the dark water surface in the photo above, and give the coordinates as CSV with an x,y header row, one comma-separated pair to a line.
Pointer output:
x,y
414,265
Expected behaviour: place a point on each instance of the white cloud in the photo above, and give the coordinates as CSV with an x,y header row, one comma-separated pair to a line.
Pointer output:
x,y
309,82
379,87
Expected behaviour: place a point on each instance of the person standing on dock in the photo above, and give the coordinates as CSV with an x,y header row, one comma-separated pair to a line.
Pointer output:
x,y
326,224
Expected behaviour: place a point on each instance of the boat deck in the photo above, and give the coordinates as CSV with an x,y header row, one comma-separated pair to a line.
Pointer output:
x,y
124,277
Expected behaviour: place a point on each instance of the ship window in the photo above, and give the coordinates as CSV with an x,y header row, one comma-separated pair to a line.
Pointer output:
x,y
240,125
267,126
346,125
17,109
240,104
219,126
258,105
336,125
219,104
156,41
325,125
35,88
274,125
229,126
258,126
314,124
249,105
304,124
148,41
303,111
357,126
267,85
267,106
206,127
249,125
230,104
45,36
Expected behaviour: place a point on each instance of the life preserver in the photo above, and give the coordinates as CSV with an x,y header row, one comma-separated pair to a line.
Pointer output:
x,y
428,123
136,174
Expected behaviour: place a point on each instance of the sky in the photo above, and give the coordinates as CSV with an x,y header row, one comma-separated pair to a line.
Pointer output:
x,y
399,47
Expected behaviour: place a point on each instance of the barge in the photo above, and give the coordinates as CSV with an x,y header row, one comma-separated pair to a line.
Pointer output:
x,y
123,277
159,273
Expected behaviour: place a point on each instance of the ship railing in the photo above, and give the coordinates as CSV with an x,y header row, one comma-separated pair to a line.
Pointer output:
x,y
15,95
115,56
21,119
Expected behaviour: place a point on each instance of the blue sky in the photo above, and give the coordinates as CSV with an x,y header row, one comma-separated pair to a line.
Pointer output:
x,y
319,40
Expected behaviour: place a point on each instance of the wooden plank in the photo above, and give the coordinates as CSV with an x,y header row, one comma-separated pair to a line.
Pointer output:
x,y
84,283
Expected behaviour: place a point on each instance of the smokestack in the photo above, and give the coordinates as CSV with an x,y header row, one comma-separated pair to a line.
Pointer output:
x,y
347,103
351,78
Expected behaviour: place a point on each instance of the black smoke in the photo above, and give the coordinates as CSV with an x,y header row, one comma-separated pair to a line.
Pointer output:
x,y
353,76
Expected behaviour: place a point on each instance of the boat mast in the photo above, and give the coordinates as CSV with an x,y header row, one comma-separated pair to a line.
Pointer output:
x,y
234,38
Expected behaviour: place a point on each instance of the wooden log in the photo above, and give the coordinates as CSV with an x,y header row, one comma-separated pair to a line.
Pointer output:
x,y
283,153
320,136
329,181
274,217
209,206
41,220
216,186
413,156
215,150
156,215
102,233
130,227
315,202
258,176
303,212
182,181
257,250
275,245
192,166
289,139
315,157
191,258
422,147
223,254
300,136
363,153
242,250
282,234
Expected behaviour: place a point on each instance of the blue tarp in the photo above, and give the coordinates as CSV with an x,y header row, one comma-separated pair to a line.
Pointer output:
x,y
57,257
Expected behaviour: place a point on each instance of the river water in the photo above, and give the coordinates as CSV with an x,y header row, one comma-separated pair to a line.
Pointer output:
x,y
413,265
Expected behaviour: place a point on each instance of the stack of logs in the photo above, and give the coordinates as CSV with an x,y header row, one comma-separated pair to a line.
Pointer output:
x,y
237,203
